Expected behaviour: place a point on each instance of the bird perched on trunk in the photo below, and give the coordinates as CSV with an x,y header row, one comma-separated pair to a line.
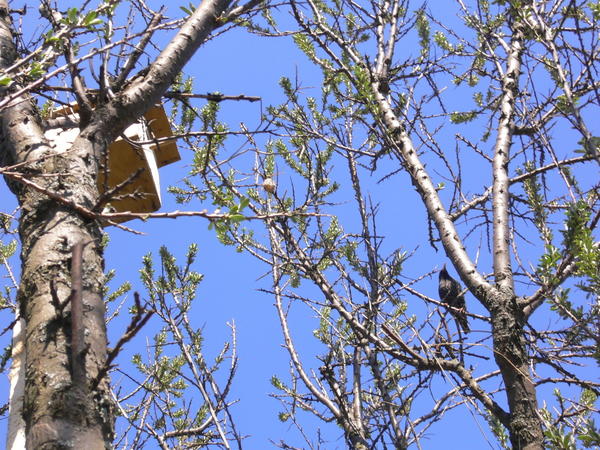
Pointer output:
x,y
451,294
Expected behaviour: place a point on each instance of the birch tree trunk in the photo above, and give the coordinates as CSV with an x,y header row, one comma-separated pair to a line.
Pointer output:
x,y
15,437
510,349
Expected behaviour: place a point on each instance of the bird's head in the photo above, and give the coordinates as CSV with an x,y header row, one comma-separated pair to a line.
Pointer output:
x,y
443,271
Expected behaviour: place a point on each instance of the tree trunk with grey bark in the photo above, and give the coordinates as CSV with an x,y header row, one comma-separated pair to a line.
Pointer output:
x,y
59,410
67,403
511,355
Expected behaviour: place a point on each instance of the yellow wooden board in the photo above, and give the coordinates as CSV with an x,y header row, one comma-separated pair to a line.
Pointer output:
x,y
166,152
142,193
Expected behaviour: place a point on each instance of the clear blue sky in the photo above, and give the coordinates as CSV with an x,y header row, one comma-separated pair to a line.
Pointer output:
x,y
238,63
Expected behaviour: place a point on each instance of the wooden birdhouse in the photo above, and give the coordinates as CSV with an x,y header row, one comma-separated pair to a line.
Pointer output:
x,y
133,165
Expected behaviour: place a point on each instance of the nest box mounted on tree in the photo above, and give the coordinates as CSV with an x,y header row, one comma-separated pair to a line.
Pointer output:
x,y
131,164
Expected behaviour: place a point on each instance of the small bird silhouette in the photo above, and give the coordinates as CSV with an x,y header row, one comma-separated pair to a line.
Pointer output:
x,y
451,294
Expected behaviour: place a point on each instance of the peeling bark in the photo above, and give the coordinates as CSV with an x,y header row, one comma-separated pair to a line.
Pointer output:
x,y
15,439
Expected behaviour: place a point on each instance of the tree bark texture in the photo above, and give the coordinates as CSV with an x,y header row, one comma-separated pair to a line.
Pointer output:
x,y
58,412
60,408
510,349
512,357
524,424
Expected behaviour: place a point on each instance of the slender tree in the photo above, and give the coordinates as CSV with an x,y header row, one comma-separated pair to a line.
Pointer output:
x,y
470,127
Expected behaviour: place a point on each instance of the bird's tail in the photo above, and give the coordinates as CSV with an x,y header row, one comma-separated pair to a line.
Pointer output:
x,y
461,318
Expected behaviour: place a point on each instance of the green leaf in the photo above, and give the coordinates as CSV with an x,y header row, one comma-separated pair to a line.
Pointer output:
x,y
6,251
590,147
36,70
423,29
91,19
305,45
277,383
462,117
189,10
595,7
244,203
72,15
235,218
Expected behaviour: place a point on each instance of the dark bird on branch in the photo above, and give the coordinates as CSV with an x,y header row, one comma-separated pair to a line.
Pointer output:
x,y
451,294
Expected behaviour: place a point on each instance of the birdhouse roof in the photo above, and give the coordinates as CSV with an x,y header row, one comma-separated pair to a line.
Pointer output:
x,y
165,152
